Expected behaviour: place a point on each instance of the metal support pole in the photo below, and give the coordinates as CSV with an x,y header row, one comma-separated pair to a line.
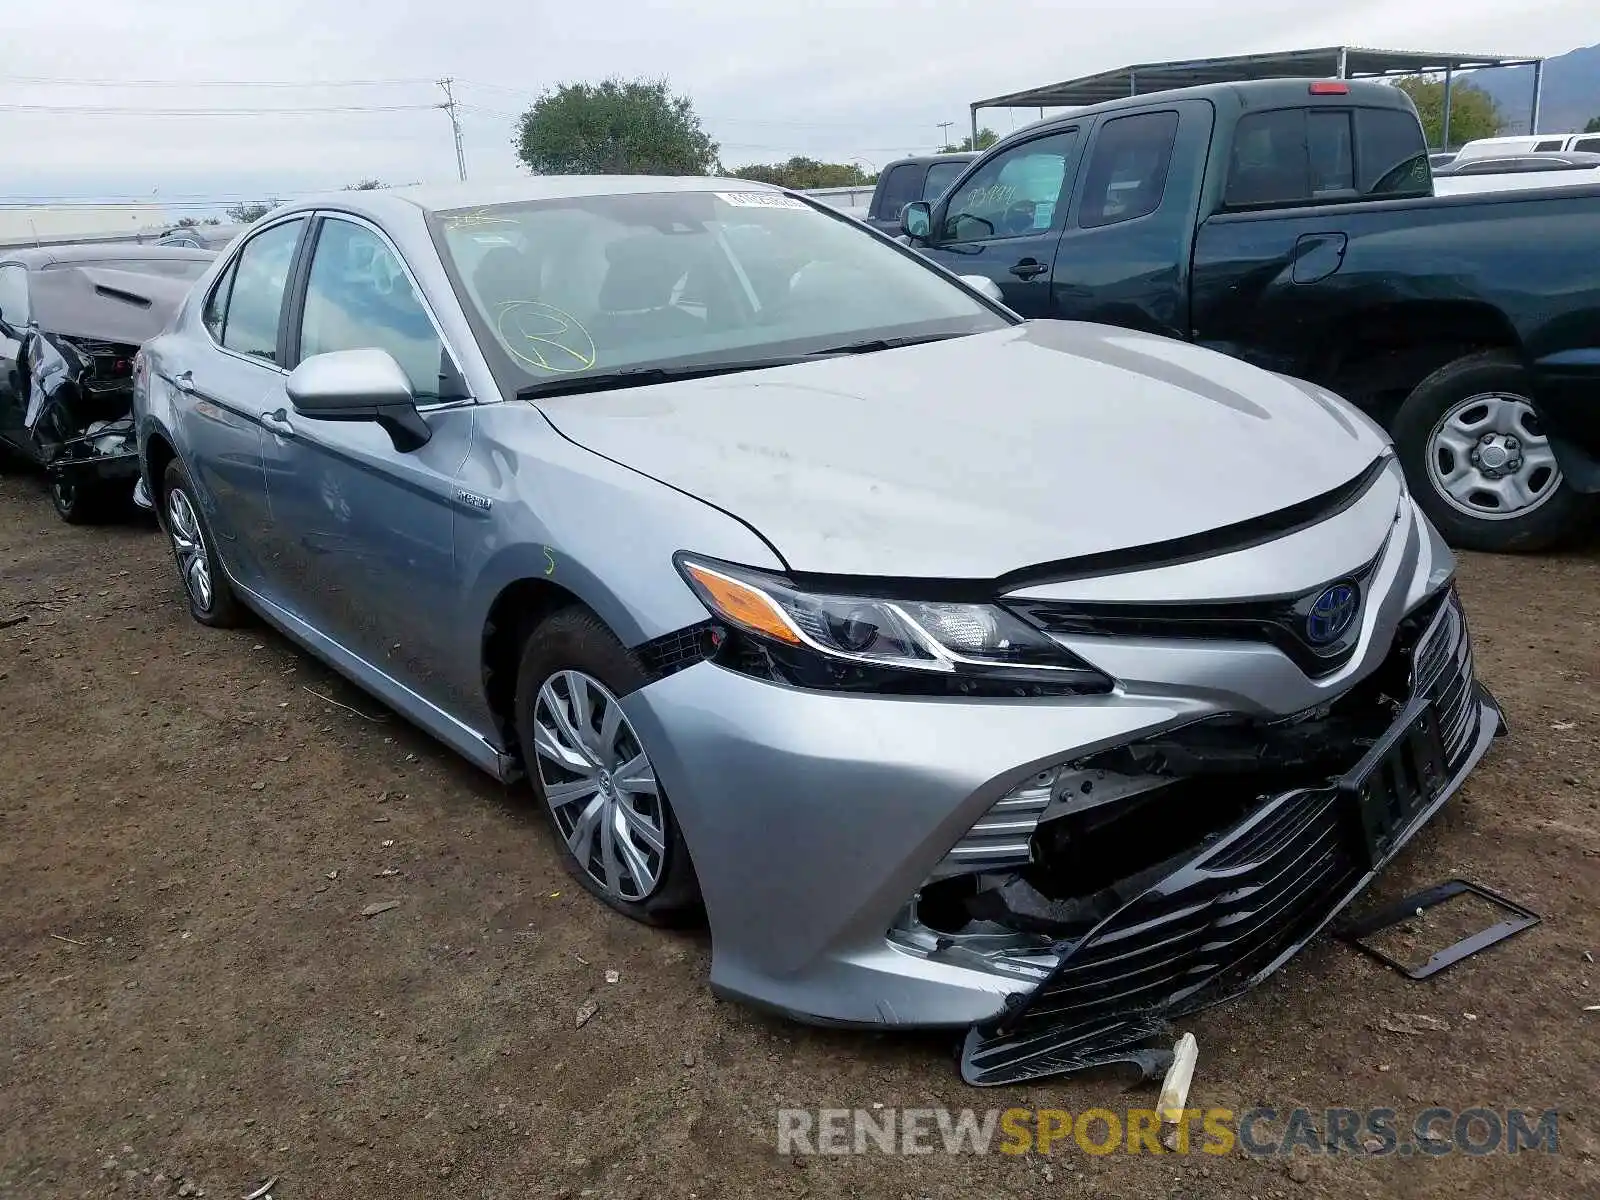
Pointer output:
x,y
1538,87
1133,83
1444,130
1344,63
974,126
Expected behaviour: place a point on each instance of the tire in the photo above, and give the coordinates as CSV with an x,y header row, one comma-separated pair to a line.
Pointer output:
x,y
660,887
1484,391
89,503
211,598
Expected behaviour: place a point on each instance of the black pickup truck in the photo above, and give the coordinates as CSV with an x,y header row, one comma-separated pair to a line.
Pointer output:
x,y
1292,223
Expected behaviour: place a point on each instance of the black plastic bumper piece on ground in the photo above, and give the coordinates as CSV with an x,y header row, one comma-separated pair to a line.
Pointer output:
x,y
1354,931
1117,1041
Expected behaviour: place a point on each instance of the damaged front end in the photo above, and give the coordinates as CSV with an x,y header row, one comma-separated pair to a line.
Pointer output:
x,y
79,412
1140,883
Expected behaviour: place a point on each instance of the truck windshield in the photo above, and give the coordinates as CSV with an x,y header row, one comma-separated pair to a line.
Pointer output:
x,y
604,283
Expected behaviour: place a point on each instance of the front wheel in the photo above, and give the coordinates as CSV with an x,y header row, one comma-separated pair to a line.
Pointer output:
x,y
1479,461
617,831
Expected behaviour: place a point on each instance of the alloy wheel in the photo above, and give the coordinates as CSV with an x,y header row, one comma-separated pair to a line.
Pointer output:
x,y
600,785
1488,457
189,544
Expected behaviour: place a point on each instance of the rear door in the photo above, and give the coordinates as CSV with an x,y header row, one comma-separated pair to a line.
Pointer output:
x,y
1003,221
1123,258
219,380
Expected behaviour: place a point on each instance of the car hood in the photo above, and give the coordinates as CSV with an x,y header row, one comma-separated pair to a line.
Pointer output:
x,y
976,456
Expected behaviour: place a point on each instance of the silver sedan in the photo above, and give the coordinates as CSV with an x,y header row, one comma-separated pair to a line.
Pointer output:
x,y
1046,678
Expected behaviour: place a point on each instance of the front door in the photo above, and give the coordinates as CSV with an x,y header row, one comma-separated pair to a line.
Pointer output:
x,y
1004,220
363,533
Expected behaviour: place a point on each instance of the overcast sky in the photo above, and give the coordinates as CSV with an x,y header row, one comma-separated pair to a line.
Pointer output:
x,y
831,78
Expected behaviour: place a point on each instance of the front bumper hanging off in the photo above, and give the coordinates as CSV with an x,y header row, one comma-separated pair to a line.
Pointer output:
x,y
1251,896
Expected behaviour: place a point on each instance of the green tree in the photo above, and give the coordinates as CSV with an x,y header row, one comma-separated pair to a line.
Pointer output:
x,y
251,210
986,138
366,185
1593,126
618,127
1473,112
802,172
188,222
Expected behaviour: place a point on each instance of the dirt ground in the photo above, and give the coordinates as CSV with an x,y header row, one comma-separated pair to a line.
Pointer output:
x,y
192,1003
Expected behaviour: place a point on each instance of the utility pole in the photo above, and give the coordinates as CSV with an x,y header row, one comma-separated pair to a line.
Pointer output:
x,y
944,130
449,107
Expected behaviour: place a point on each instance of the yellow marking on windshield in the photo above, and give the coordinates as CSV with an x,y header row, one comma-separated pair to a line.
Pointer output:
x,y
479,216
543,336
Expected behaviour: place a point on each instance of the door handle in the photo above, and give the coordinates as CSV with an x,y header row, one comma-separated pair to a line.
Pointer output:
x,y
278,422
1028,268
184,382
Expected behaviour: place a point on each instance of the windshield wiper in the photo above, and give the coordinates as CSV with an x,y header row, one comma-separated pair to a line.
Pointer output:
x,y
873,345
603,381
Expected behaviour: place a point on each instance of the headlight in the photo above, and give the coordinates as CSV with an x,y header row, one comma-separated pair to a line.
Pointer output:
x,y
828,639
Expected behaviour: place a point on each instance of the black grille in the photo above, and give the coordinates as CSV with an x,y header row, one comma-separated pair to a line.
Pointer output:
x,y
1281,622
1255,893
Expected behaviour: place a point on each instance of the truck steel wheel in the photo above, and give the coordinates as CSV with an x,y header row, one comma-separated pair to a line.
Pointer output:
x,y
1479,461
587,764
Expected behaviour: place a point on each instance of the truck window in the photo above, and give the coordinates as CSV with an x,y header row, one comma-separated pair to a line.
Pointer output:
x,y
901,186
940,177
1269,163
1547,145
1392,152
1128,170
1015,194
1591,144
1328,140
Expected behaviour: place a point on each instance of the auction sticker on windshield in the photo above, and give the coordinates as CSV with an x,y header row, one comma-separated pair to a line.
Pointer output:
x,y
760,200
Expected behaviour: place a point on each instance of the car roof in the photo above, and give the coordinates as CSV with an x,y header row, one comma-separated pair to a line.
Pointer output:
x,y
36,257
961,156
450,196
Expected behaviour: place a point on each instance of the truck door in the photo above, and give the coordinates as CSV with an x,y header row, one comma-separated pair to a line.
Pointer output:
x,y
1124,255
1003,221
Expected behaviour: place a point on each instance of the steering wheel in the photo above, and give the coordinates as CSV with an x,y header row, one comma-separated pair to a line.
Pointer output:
x,y
1019,217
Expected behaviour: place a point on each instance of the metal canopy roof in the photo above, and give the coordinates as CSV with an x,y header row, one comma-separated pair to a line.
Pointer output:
x,y
1331,62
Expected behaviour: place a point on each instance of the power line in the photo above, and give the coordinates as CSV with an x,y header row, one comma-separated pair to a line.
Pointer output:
x,y
185,83
117,110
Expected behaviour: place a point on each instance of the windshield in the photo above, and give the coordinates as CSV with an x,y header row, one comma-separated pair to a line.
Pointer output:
x,y
608,283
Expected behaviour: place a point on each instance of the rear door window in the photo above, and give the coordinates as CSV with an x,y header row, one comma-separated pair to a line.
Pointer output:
x,y
1128,169
1590,144
260,280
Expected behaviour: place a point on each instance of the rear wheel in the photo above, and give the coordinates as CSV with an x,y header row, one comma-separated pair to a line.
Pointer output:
x,y
1479,461
88,503
586,763
211,598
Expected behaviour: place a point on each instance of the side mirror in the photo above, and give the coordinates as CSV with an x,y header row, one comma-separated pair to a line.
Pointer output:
x,y
916,219
982,283
359,385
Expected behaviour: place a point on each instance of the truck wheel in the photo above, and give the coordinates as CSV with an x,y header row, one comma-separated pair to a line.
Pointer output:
x,y
1479,464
